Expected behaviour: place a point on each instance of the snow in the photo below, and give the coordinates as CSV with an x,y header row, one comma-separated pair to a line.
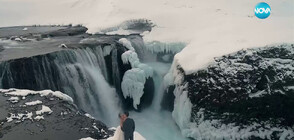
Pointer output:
x,y
19,117
33,103
13,99
45,109
88,138
291,87
62,46
89,116
39,118
24,92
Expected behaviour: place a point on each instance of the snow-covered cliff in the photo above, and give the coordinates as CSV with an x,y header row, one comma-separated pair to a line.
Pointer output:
x,y
243,95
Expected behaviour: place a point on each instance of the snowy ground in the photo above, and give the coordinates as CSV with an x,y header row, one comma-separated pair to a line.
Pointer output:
x,y
212,27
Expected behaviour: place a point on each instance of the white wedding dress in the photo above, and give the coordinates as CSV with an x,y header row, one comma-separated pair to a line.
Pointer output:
x,y
119,135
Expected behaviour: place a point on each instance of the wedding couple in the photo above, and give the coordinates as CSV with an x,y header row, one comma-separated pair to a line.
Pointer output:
x,y
126,129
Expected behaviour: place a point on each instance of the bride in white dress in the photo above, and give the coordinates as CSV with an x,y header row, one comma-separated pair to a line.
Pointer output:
x,y
119,134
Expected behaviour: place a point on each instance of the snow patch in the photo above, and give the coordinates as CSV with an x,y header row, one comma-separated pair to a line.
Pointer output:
x,y
24,92
13,99
89,116
45,109
39,118
19,117
33,103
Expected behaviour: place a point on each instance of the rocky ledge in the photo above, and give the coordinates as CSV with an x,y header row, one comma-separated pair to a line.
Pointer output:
x,y
36,115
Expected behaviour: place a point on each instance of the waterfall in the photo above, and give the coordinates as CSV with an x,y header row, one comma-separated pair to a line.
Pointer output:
x,y
80,73
154,117
88,73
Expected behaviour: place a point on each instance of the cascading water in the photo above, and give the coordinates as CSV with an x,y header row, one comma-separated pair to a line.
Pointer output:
x,y
80,73
102,100
84,74
154,123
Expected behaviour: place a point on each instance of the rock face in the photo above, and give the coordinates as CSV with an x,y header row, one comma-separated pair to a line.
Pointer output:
x,y
37,115
245,95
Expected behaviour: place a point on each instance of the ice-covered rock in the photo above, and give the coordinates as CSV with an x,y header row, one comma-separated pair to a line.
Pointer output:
x,y
243,95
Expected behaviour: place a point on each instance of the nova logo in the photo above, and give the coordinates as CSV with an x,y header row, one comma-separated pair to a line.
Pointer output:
x,y
262,10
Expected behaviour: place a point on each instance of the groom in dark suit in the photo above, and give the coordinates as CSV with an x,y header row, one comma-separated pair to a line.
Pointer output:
x,y
128,127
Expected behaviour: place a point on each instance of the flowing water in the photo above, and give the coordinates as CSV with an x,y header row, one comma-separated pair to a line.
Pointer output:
x,y
154,123
83,75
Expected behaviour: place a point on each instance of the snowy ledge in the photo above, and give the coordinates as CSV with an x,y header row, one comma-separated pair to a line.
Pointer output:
x,y
23,93
17,95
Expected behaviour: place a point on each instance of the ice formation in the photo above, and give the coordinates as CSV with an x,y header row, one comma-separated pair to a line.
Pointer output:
x,y
134,79
182,107
107,50
174,76
133,85
158,47
126,43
